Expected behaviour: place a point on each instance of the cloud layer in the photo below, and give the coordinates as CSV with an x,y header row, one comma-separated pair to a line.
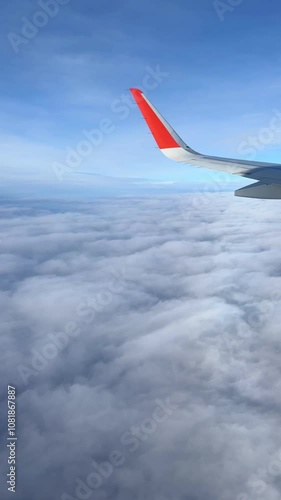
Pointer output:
x,y
143,338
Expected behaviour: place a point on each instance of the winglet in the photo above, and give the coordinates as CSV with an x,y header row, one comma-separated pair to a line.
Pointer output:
x,y
164,135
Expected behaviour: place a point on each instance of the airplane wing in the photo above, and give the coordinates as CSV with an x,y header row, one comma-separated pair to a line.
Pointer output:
x,y
268,175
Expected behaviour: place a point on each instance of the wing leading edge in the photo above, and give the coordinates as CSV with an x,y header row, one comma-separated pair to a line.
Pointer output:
x,y
172,146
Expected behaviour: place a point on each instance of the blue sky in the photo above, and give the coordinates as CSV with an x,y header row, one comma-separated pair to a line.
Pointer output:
x,y
221,84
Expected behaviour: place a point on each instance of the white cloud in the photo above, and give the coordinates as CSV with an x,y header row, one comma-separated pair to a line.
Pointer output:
x,y
169,302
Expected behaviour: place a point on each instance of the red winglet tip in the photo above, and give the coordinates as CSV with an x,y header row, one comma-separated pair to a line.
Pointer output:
x,y
155,122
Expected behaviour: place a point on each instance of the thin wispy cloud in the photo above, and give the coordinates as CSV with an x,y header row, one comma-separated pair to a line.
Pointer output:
x,y
67,77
